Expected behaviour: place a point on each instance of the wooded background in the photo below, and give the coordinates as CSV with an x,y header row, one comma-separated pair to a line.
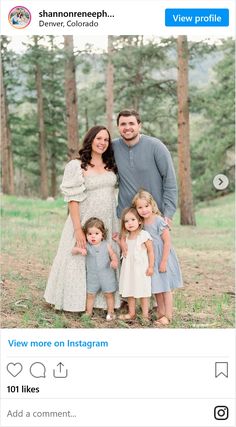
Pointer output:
x,y
53,92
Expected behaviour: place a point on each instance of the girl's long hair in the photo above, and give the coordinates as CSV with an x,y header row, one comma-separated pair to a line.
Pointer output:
x,y
135,213
143,194
85,153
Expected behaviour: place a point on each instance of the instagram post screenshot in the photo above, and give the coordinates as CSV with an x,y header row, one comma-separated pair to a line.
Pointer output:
x,y
117,213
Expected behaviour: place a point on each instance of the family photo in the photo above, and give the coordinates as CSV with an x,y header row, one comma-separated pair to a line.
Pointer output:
x,y
112,211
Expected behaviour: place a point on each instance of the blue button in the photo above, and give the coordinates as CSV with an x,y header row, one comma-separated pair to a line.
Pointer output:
x,y
197,17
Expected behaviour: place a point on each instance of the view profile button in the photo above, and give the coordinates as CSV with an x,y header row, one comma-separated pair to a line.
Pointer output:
x,y
197,17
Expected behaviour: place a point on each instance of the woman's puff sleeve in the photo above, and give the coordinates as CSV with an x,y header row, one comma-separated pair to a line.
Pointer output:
x,y
73,187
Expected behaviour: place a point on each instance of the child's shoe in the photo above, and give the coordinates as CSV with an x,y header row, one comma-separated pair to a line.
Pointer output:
x,y
110,317
127,317
162,321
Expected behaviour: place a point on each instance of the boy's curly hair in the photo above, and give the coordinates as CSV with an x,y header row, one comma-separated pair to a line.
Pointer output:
x,y
95,222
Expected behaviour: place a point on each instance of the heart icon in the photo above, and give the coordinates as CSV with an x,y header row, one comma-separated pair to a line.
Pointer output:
x,y
14,369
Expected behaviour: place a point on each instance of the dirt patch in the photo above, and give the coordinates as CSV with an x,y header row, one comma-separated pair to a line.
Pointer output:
x,y
207,299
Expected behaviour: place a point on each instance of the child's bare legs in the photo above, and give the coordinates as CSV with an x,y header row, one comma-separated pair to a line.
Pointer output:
x,y
132,307
168,301
160,305
132,310
164,309
145,307
90,303
110,302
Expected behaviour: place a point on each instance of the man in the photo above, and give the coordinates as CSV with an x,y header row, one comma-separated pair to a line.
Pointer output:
x,y
143,162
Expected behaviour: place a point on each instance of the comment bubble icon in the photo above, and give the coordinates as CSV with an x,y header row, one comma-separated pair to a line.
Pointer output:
x,y
38,370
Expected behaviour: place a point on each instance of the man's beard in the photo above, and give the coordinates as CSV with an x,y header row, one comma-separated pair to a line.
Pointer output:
x,y
131,137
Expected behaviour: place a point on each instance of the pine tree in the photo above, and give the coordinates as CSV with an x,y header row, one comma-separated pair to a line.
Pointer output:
x,y
186,200
41,123
109,86
6,140
54,110
214,107
71,97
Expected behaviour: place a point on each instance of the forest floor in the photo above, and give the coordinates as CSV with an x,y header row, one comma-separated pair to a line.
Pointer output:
x,y
31,230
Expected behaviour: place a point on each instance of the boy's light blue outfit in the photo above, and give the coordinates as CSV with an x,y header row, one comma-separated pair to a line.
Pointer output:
x,y
100,276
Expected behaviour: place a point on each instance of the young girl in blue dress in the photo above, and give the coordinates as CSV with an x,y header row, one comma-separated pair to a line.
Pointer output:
x,y
167,275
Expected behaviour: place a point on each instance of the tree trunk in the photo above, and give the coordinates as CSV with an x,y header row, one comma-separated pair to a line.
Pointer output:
x,y
109,87
53,176
6,149
187,216
71,98
86,119
42,132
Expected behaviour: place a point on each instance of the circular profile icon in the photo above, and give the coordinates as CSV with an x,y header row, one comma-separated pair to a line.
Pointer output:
x,y
19,17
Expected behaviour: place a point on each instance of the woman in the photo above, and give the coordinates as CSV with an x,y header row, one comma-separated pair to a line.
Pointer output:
x,y
89,188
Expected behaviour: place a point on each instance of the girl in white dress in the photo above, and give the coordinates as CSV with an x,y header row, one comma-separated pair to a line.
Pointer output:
x,y
137,266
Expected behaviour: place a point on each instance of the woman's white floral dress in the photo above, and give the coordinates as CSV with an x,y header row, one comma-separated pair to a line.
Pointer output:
x,y
66,286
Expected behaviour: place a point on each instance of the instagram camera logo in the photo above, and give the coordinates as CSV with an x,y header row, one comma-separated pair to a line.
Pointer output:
x,y
221,412
19,17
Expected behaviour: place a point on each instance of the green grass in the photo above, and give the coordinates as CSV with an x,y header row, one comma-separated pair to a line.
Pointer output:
x,y
31,230
86,321
215,226
32,226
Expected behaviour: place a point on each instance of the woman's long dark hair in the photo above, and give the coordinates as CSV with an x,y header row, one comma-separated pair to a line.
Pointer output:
x,y
85,153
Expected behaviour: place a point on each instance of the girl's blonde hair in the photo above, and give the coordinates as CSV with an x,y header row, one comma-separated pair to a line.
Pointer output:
x,y
143,194
95,222
135,213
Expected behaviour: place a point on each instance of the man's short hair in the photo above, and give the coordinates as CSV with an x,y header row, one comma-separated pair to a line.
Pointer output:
x,y
128,113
